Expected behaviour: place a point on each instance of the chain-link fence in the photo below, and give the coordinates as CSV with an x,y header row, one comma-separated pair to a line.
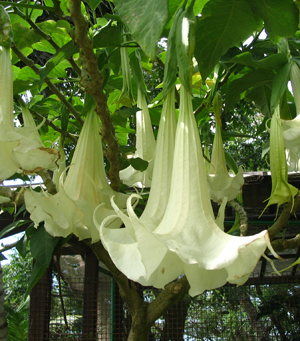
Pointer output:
x,y
255,312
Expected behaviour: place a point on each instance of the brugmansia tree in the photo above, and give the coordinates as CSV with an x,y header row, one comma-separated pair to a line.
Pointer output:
x,y
76,79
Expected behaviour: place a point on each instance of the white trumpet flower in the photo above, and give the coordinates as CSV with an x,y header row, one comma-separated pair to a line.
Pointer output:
x,y
145,147
134,249
188,227
221,183
86,187
291,137
282,191
215,257
21,149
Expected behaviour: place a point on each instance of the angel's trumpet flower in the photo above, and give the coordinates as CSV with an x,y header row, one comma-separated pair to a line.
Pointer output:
x,y
282,191
295,80
222,184
126,96
215,257
145,147
134,249
291,138
21,149
85,188
188,227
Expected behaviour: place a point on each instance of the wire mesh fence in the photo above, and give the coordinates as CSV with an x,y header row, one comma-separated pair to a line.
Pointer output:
x,y
256,312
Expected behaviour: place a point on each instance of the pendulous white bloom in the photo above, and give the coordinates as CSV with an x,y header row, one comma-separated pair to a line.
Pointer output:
x,y
134,249
126,96
282,191
188,227
21,149
178,234
145,147
222,184
291,138
86,187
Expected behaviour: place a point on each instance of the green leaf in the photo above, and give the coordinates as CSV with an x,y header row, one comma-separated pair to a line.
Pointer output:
x,y
139,164
65,117
146,20
231,162
93,3
135,63
42,245
280,17
13,226
253,79
273,62
63,53
21,245
279,85
23,36
37,272
107,36
224,23
261,96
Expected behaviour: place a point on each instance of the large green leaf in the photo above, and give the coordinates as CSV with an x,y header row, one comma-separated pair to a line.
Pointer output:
x,y
63,53
224,23
139,164
280,17
37,272
146,20
275,61
279,85
107,36
13,226
42,245
261,97
253,79
93,3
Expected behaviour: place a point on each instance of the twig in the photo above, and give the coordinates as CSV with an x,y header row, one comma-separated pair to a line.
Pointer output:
x,y
54,126
94,87
279,245
51,86
48,182
59,275
46,37
242,216
282,221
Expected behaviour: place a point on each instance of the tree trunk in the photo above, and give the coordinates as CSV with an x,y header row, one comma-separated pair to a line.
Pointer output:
x,y
140,330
